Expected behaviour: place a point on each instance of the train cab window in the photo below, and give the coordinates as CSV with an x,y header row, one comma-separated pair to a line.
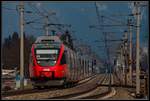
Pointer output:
x,y
46,57
63,59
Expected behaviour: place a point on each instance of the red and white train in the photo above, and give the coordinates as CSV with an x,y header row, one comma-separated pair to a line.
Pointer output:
x,y
53,63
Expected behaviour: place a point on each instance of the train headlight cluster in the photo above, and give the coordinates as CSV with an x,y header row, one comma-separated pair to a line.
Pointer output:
x,y
46,69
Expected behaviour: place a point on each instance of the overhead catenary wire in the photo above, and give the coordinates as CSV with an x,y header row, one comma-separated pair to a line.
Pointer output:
x,y
8,8
46,14
12,9
114,20
36,10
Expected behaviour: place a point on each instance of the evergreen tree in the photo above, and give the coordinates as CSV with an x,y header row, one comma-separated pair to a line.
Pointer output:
x,y
67,39
11,52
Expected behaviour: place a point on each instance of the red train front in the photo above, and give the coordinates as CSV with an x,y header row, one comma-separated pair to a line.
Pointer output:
x,y
53,63
46,62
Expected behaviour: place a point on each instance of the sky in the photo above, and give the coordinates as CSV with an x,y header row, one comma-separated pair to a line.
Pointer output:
x,y
80,15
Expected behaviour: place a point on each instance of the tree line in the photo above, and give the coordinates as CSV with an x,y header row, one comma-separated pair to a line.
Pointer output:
x,y
11,52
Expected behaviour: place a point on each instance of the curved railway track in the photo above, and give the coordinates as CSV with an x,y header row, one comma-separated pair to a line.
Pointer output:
x,y
30,91
26,91
82,92
82,88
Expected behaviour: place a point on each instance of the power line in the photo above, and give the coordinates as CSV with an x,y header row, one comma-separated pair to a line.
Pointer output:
x,y
35,28
43,15
12,9
34,20
115,20
9,9
36,10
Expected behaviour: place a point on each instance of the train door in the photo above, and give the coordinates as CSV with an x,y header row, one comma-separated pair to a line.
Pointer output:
x,y
88,67
75,68
83,67
78,67
66,53
81,64
72,66
92,67
69,65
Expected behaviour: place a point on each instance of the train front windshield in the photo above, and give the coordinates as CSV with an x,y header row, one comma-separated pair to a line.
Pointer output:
x,y
46,57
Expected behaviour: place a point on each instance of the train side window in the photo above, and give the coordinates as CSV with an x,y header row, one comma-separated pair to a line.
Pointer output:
x,y
63,59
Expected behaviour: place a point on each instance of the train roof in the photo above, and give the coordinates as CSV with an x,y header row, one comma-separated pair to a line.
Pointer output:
x,y
48,39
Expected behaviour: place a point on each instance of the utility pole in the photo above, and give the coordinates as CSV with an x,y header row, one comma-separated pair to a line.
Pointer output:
x,y
123,64
137,49
130,52
125,54
108,59
21,12
106,44
46,25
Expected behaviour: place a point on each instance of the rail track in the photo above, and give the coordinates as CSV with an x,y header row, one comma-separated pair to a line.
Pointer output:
x,y
81,93
83,87
30,91
26,91
101,90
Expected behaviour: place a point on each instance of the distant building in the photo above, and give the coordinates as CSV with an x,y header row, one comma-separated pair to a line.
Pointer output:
x,y
8,73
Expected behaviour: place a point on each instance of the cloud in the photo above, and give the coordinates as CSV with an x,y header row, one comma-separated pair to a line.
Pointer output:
x,y
132,7
101,7
83,10
133,10
145,49
142,14
38,5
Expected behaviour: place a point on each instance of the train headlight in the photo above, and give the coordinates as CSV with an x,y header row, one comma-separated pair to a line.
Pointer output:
x,y
46,69
38,56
